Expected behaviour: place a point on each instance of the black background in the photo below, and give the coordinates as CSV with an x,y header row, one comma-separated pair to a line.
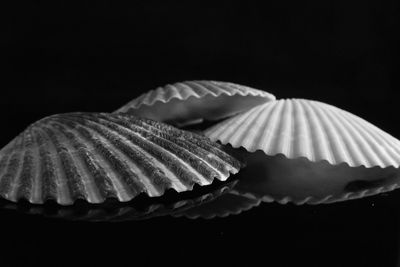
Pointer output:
x,y
59,57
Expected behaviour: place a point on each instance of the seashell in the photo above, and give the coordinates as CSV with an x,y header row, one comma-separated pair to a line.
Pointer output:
x,y
311,129
192,102
305,151
95,156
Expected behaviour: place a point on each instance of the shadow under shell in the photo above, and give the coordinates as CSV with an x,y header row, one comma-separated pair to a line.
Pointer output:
x,y
140,208
277,178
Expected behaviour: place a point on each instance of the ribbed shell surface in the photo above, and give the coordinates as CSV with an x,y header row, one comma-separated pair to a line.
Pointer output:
x,y
311,129
191,101
95,156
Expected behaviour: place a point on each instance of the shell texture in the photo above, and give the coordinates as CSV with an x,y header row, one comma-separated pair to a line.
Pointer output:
x,y
190,102
95,156
310,129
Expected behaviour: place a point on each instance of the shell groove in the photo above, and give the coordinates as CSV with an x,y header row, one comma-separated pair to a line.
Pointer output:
x,y
95,156
311,129
190,102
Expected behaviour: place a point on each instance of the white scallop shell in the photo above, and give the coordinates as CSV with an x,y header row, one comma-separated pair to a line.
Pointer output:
x,y
311,129
190,102
95,156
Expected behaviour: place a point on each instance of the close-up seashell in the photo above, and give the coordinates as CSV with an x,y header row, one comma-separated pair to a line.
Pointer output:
x,y
95,156
311,129
190,102
305,151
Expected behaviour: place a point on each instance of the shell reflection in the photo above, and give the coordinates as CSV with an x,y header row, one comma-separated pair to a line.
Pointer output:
x,y
141,208
300,181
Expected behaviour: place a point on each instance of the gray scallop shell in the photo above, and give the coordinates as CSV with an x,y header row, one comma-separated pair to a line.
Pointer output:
x,y
190,102
95,156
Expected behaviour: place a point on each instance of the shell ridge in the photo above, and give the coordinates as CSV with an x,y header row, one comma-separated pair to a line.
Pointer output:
x,y
189,145
72,176
133,173
339,143
248,122
285,129
122,181
385,140
382,154
23,182
332,143
303,128
188,179
320,140
107,159
155,175
381,140
88,187
202,153
98,184
234,124
262,120
357,158
368,153
53,161
44,187
199,141
14,168
217,89
3,164
186,91
199,89
194,158
271,125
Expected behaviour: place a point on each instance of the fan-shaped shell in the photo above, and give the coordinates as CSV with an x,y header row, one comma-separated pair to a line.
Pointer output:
x,y
310,129
190,102
94,156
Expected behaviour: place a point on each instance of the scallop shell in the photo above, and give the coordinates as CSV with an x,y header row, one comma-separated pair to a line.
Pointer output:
x,y
95,156
190,102
311,129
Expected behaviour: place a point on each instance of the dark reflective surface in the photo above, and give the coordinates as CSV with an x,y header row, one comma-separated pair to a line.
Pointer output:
x,y
58,57
226,221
